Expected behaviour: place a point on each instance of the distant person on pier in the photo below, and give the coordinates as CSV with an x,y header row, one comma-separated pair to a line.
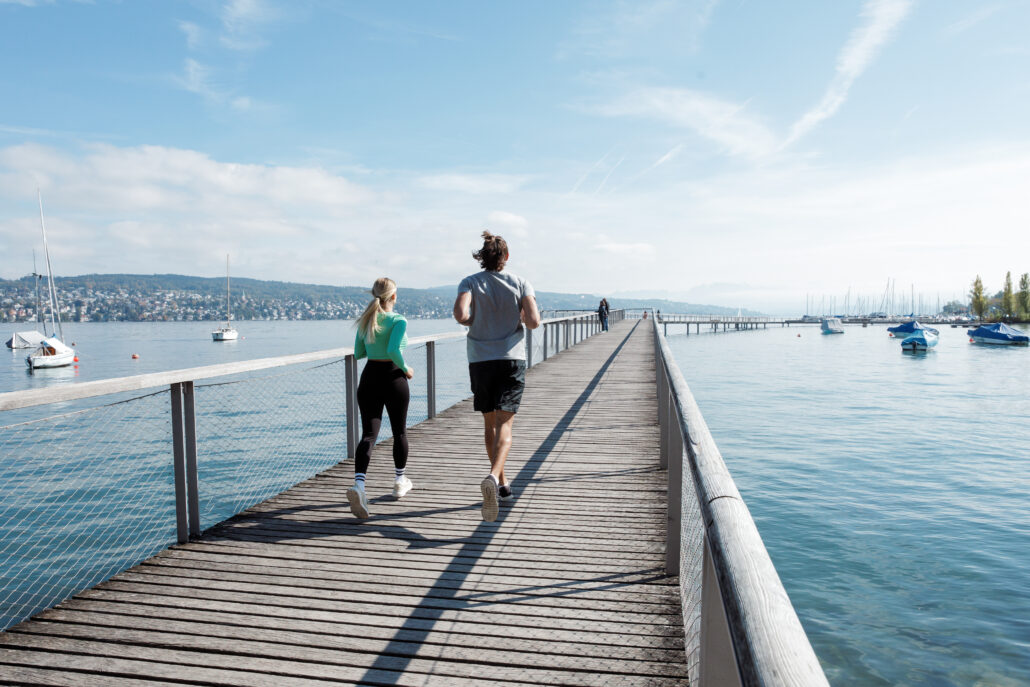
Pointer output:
x,y
381,337
602,313
497,307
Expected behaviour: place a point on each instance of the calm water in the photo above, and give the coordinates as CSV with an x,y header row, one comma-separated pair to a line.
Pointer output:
x,y
891,490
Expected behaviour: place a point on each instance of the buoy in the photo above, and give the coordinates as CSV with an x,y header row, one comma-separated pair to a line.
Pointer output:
x,y
970,340
75,359
135,356
799,336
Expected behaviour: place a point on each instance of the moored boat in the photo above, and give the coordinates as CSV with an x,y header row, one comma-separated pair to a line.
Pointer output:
x,y
832,325
921,340
999,334
29,339
51,353
908,328
226,333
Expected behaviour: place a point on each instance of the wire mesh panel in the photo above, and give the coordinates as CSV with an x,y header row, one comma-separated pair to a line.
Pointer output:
x,y
452,373
418,406
692,548
260,435
84,495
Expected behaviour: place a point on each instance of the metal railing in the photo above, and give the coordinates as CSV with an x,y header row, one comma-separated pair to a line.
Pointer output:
x,y
740,626
88,491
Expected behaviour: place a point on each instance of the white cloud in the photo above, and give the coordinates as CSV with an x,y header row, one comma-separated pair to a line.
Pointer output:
x,y
969,21
509,222
242,21
721,121
198,78
192,32
636,250
882,18
473,183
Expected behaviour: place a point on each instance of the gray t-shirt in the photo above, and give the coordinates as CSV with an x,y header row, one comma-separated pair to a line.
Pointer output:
x,y
496,332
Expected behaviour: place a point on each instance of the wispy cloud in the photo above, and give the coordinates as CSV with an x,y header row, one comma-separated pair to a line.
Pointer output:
x,y
473,183
970,20
721,121
610,172
198,78
509,222
626,28
193,34
882,18
242,21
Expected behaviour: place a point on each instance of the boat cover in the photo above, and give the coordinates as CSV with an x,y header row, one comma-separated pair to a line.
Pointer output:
x,y
909,328
25,340
999,331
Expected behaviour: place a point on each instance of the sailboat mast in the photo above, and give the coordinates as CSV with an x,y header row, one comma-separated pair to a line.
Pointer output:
x,y
55,317
228,306
39,305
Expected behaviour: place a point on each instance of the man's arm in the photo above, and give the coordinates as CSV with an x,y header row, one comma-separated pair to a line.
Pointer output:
x,y
530,314
463,308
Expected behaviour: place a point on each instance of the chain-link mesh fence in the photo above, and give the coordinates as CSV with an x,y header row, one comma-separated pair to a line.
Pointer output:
x,y
260,435
83,496
89,493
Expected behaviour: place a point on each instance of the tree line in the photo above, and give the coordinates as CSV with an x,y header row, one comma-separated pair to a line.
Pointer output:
x,y
1007,305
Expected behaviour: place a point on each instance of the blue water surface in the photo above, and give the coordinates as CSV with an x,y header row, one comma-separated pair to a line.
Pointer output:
x,y
890,488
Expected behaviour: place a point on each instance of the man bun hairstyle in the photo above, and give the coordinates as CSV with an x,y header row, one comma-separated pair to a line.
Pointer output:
x,y
494,253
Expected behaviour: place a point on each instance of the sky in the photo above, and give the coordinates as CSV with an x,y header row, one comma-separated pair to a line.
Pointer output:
x,y
734,152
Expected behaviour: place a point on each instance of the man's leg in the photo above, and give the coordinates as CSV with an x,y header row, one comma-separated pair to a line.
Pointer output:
x,y
497,436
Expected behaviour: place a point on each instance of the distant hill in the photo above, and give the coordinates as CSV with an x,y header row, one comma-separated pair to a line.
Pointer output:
x,y
104,297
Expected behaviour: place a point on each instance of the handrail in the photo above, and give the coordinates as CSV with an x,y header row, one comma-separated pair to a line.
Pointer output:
x,y
750,634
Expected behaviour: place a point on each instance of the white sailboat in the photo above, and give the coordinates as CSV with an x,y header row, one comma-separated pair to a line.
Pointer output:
x,y
51,352
32,338
226,333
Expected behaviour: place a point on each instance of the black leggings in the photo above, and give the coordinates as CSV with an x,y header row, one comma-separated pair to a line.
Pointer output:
x,y
382,384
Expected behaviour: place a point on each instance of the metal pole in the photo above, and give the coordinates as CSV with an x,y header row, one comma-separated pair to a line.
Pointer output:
x,y
192,482
529,348
431,378
545,342
350,366
178,465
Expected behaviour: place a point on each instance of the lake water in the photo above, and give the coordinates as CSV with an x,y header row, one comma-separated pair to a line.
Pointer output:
x,y
890,488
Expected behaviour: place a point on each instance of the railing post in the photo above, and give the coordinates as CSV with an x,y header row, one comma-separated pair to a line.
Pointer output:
x,y
529,348
431,378
179,465
545,342
350,366
717,663
192,482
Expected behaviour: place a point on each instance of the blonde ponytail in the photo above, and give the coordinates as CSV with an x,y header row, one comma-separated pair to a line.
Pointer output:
x,y
368,324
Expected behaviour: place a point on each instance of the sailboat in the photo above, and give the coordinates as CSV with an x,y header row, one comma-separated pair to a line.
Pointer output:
x,y
52,352
226,333
30,339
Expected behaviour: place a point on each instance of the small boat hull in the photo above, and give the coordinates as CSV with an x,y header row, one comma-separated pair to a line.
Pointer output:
x,y
920,341
998,334
51,353
225,334
832,325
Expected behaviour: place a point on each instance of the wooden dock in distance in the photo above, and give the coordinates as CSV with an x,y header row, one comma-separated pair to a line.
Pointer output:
x,y
566,588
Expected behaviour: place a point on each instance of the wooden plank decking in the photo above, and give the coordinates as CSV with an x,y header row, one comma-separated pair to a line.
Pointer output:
x,y
566,588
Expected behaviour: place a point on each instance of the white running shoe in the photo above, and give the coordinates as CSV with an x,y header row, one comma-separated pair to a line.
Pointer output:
x,y
358,502
489,489
504,492
401,487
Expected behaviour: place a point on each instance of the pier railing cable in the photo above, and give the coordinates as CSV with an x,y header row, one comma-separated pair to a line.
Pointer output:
x,y
114,472
740,627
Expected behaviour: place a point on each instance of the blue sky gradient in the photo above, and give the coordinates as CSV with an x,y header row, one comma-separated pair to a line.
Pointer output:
x,y
733,152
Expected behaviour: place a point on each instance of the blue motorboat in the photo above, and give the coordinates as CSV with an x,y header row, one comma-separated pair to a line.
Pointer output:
x,y
998,333
922,340
908,328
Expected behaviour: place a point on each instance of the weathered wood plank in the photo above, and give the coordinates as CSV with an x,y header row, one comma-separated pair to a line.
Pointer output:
x,y
566,588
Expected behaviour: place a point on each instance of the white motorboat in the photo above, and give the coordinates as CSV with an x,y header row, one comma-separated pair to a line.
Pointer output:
x,y
226,333
832,325
51,352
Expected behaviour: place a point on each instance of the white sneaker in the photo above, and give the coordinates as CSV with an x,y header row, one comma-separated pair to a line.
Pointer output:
x,y
358,502
504,492
401,487
489,489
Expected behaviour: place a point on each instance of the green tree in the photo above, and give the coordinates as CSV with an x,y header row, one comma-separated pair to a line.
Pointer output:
x,y
978,301
1024,296
1008,298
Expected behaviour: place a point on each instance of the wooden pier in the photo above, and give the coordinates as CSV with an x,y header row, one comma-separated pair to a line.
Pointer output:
x,y
566,588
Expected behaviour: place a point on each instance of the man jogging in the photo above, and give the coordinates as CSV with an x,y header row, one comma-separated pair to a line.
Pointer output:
x,y
497,307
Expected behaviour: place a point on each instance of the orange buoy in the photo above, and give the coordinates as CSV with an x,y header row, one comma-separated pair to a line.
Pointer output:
x,y
799,336
135,356
75,359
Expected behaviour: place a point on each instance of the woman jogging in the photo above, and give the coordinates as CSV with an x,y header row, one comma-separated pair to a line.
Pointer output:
x,y
382,337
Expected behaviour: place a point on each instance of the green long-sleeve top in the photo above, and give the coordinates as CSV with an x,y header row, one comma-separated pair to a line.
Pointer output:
x,y
391,340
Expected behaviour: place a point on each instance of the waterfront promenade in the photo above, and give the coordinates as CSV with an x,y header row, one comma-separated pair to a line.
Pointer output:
x,y
566,588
